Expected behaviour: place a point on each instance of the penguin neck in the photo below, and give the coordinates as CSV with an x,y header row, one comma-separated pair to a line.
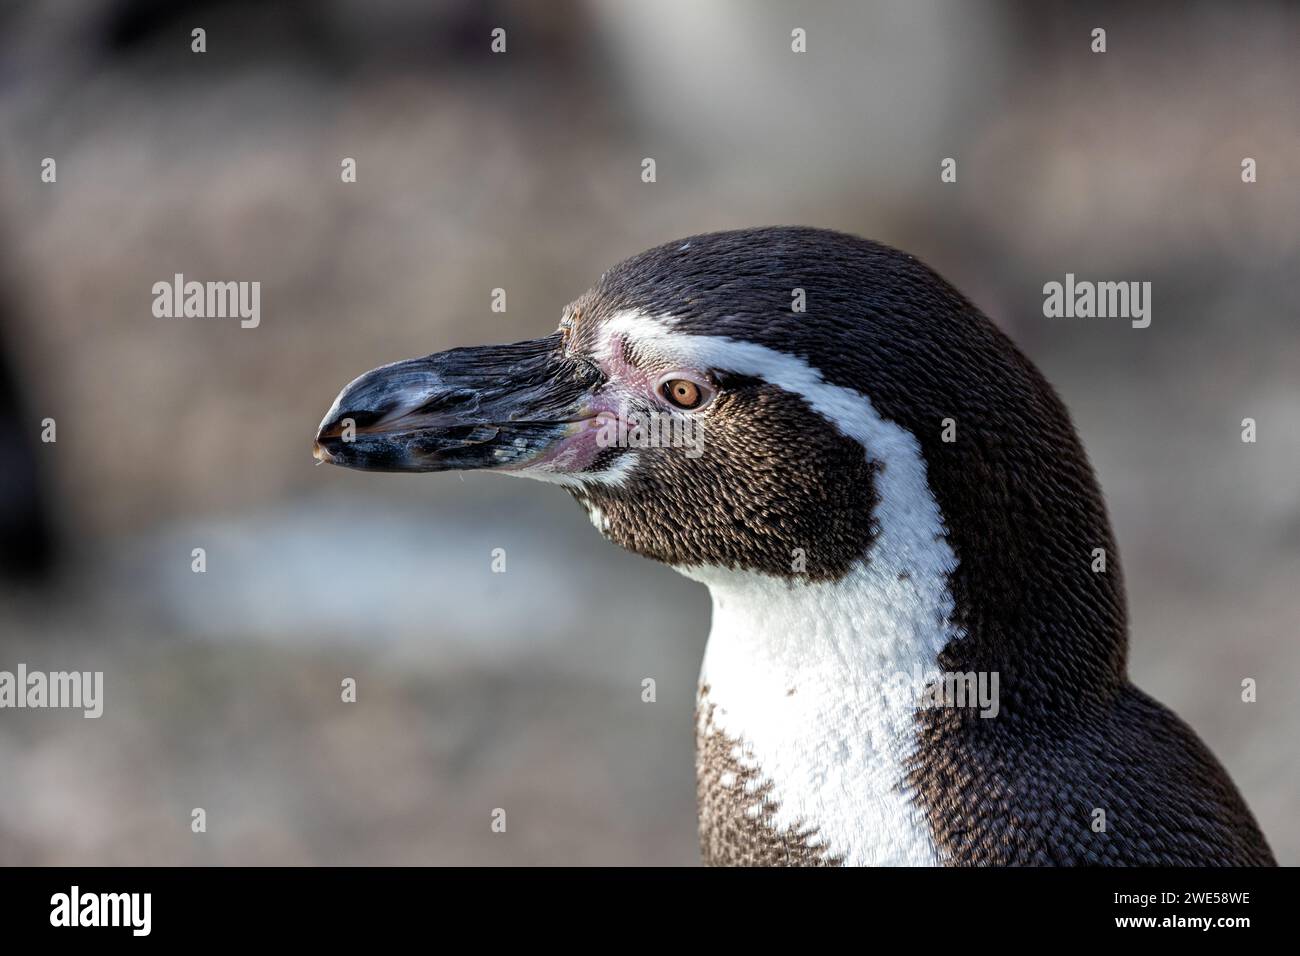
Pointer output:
x,y
1052,636
816,685
881,619
1036,588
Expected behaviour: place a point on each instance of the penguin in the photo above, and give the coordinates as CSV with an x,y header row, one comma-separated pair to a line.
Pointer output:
x,y
882,494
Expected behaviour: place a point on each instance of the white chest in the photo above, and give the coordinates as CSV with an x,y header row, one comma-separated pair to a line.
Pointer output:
x,y
814,681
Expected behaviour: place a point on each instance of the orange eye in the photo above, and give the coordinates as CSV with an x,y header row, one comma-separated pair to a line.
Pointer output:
x,y
682,393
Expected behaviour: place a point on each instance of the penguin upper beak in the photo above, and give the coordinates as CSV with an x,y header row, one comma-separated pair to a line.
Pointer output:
x,y
491,406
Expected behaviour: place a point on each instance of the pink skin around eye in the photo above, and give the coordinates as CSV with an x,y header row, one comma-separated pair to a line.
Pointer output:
x,y
626,381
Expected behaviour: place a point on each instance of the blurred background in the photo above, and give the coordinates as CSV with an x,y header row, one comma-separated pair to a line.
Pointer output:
x,y
522,690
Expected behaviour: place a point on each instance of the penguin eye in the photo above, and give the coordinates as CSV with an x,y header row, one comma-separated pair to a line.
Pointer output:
x,y
683,393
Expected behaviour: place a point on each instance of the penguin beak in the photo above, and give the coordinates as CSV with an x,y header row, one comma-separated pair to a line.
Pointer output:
x,y
493,406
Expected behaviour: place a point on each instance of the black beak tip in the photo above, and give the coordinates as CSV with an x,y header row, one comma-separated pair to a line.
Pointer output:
x,y
327,444
320,452
465,409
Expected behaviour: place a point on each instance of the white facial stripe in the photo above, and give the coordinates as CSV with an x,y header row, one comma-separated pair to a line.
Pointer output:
x,y
835,749
907,512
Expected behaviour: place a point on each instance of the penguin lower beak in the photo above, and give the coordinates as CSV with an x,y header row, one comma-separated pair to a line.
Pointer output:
x,y
492,406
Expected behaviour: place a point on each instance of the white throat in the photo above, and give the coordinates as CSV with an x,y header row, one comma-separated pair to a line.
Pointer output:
x,y
800,675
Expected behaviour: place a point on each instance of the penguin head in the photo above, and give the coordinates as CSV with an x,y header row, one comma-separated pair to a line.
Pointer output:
x,y
787,401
